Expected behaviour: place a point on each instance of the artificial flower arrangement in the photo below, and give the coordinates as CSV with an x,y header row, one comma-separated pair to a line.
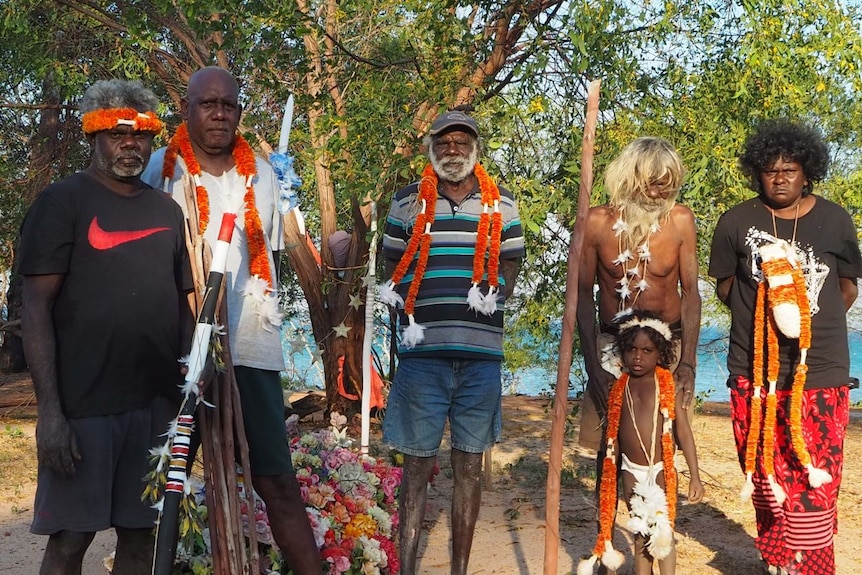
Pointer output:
x,y
351,501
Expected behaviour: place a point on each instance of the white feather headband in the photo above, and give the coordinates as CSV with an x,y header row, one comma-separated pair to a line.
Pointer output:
x,y
656,324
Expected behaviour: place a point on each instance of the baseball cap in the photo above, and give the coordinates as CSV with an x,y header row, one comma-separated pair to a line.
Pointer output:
x,y
451,120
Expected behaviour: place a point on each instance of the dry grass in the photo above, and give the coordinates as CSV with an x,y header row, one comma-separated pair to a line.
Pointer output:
x,y
17,461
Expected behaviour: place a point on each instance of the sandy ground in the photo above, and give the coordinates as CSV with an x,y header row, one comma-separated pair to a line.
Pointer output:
x,y
714,536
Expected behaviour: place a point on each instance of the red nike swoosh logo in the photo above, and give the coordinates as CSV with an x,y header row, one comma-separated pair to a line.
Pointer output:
x,y
102,240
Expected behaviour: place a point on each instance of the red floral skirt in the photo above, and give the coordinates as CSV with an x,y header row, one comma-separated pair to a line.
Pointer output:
x,y
798,535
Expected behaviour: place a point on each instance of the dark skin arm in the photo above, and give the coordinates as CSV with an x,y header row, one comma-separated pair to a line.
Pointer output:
x,y
510,269
690,305
849,291
56,444
685,440
598,379
722,288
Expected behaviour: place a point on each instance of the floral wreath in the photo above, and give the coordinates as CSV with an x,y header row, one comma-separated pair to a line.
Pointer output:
x,y
782,290
260,287
110,118
663,513
420,240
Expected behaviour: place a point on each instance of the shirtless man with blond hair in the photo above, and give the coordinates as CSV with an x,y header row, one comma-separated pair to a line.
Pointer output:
x,y
641,250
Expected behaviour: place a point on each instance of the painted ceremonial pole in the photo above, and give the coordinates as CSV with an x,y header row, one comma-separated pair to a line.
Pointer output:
x,y
167,527
564,364
286,123
369,331
282,164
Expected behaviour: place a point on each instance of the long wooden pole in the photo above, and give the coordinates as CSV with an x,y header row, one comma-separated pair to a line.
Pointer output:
x,y
366,342
564,364
167,529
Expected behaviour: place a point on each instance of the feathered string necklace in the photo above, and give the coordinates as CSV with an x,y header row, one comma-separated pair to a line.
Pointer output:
x,y
260,287
634,279
488,235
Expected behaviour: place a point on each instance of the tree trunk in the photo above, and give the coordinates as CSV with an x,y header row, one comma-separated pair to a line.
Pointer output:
x,y
12,351
43,161
331,309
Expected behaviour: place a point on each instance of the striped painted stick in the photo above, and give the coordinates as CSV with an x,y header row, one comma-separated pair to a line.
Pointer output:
x,y
167,527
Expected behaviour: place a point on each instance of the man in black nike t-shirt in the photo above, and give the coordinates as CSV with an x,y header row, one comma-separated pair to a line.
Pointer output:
x,y
106,275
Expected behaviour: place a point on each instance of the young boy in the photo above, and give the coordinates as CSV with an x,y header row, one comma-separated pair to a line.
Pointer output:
x,y
642,435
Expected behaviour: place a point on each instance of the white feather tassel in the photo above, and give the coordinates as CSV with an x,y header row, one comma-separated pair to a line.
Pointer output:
x,y
649,517
386,293
817,477
172,430
489,303
777,490
585,567
611,558
413,334
475,299
269,313
189,387
265,303
255,288
747,489
661,542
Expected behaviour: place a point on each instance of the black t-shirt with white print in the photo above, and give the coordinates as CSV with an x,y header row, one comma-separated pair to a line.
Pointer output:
x,y
826,248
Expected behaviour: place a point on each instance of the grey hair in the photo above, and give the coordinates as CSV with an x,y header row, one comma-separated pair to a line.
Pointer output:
x,y
106,94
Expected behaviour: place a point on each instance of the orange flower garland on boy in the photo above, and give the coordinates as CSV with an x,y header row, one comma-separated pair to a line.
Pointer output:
x,y
646,346
452,245
789,285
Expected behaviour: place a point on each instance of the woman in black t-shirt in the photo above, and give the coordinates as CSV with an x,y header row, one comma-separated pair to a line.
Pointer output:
x,y
795,473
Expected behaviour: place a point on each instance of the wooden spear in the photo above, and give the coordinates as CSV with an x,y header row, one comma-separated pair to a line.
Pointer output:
x,y
564,364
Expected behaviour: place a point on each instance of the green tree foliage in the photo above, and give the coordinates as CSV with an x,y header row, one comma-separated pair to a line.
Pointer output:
x,y
700,74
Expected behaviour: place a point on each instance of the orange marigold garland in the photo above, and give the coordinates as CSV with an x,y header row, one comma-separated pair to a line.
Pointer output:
x,y
787,301
816,476
771,411
487,304
110,118
603,549
259,287
420,241
667,391
181,145
753,439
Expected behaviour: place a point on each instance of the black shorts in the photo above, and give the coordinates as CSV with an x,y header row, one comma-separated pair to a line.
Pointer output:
x,y
263,415
106,489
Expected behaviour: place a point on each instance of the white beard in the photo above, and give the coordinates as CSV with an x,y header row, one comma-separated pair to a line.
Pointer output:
x,y
644,216
454,169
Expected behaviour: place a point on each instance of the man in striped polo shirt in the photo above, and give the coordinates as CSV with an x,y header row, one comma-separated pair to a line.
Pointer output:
x,y
453,245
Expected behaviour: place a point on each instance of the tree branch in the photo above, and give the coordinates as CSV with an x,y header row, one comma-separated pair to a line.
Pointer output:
x,y
90,10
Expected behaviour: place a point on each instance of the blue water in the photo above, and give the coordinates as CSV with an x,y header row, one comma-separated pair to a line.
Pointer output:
x,y
711,367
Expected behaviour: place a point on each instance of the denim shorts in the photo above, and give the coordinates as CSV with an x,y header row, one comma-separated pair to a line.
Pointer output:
x,y
428,391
